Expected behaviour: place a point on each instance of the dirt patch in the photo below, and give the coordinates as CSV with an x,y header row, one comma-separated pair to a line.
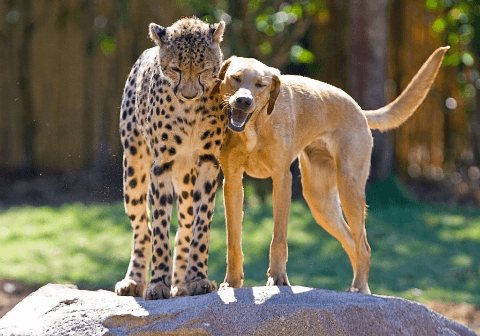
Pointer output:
x,y
12,292
463,313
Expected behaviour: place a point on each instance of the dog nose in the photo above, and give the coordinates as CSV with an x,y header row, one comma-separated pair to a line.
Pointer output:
x,y
243,101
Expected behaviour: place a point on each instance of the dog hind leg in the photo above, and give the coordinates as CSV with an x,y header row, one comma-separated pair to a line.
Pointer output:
x,y
321,193
351,180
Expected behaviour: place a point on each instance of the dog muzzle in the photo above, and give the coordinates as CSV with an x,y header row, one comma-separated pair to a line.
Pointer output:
x,y
237,119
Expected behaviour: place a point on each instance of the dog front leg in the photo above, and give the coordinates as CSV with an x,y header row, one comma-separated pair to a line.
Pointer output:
x,y
282,193
233,202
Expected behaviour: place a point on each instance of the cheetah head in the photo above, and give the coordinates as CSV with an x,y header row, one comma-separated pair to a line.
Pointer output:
x,y
190,55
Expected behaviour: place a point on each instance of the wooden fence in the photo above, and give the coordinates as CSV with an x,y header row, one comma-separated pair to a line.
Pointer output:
x,y
63,65
436,136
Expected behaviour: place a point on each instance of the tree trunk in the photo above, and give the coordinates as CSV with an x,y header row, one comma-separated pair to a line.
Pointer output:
x,y
367,67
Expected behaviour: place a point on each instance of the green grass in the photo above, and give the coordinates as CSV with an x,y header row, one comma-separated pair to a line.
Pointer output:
x,y
85,245
419,252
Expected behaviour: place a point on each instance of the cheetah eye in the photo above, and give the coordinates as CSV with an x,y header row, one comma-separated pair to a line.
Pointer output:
x,y
205,71
175,69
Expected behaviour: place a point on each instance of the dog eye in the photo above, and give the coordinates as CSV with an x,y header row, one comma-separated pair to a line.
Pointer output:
x,y
236,78
260,85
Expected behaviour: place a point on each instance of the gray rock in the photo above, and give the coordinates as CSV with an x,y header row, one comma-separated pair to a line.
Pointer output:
x,y
65,310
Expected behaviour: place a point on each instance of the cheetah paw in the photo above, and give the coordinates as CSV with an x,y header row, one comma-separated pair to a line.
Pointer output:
x,y
179,291
199,287
129,287
157,292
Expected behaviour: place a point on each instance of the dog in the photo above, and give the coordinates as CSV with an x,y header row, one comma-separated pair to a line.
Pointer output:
x,y
274,119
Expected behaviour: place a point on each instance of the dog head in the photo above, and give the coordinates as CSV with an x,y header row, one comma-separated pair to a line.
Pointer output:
x,y
248,87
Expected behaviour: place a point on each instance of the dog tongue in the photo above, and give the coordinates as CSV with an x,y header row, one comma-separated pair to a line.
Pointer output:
x,y
238,117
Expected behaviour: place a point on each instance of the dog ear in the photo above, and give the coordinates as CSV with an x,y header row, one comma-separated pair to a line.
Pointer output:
x,y
275,90
221,76
224,68
158,34
216,87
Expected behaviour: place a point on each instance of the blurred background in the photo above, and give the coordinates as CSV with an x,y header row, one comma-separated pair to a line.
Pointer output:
x,y
63,65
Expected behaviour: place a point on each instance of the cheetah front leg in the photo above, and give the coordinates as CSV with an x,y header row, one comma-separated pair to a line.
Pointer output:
x,y
184,187
137,162
204,188
162,193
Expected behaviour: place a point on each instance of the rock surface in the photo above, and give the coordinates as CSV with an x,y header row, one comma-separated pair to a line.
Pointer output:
x,y
65,310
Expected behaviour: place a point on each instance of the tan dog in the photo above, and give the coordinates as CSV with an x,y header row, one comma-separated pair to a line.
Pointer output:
x,y
277,118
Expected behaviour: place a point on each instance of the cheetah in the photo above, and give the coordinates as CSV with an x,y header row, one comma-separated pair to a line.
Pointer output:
x,y
172,127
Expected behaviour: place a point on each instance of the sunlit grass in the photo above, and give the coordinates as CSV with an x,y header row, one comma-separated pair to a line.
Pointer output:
x,y
418,252
72,243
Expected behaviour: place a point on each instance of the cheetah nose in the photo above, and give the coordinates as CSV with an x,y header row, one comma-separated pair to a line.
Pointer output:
x,y
243,102
188,97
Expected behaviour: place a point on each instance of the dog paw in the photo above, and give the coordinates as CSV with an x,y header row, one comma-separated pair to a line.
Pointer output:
x,y
224,285
199,287
364,290
232,282
129,287
157,291
278,280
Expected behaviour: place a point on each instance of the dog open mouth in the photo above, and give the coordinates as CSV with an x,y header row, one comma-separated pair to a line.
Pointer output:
x,y
237,119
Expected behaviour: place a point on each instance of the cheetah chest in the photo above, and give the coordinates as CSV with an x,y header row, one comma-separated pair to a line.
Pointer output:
x,y
182,130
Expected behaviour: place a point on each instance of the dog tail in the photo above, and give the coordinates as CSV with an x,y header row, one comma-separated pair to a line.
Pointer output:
x,y
398,111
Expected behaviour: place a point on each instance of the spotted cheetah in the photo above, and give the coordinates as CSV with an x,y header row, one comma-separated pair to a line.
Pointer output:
x,y
172,127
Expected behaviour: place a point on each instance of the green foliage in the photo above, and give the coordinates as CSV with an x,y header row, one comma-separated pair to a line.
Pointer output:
x,y
271,22
457,25
301,55
107,44
418,252
124,12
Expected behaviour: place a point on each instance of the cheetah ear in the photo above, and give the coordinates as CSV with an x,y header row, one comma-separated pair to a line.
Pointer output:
x,y
158,34
217,30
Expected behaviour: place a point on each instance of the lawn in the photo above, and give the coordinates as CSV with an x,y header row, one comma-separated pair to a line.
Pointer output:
x,y
420,252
